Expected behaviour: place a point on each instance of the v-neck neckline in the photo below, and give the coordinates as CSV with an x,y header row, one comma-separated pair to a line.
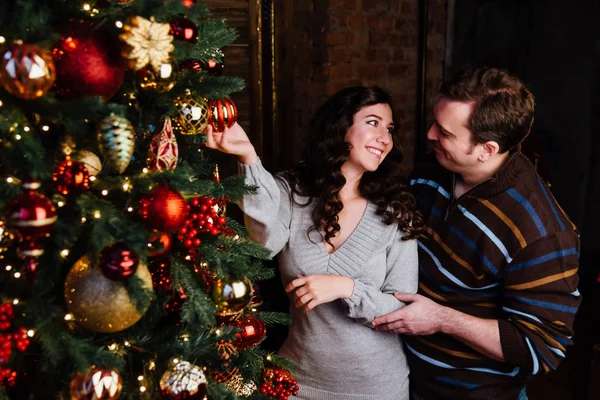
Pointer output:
x,y
349,238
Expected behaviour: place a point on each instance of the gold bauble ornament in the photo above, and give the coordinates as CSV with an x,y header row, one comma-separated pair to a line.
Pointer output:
x,y
159,81
90,160
96,384
182,381
231,295
26,70
98,303
192,115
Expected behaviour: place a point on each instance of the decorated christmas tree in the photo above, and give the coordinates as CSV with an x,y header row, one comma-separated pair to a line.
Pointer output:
x,y
121,275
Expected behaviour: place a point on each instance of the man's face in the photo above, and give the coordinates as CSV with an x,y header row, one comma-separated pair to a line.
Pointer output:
x,y
451,136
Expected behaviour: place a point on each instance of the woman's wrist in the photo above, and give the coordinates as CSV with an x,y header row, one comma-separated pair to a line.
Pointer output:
x,y
347,287
247,159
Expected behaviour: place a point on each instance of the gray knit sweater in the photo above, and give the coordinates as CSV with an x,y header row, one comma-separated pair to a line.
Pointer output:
x,y
338,356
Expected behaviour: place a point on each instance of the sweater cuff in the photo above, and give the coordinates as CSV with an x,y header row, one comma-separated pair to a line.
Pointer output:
x,y
249,169
514,348
357,303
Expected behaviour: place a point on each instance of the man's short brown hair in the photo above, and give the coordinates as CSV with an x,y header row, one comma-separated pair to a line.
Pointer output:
x,y
502,105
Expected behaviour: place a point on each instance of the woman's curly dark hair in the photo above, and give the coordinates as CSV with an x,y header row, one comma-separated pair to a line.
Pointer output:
x,y
319,175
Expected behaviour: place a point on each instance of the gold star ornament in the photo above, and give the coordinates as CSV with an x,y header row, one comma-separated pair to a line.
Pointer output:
x,y
148,43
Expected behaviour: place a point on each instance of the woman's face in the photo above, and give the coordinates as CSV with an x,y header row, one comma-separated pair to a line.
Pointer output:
x,y
370,139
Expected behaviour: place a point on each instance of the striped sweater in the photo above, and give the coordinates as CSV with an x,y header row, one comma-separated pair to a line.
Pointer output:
x,y
504,250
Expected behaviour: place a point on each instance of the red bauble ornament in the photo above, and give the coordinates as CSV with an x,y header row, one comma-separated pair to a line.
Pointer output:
x,y
163,151
26,71
160,244
223,113
278,383
163,209
31,216
212,67
253,331
87,62
184,29
118,261
71,177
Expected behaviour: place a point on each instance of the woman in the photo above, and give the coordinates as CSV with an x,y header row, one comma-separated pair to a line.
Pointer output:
x,y
343,226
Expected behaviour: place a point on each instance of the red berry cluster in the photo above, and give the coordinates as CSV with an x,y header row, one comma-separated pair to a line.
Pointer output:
x,y
17,339
204,217
279,384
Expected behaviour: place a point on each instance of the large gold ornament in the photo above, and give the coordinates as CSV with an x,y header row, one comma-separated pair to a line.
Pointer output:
x,y
98,303
26,70
149,43
193,114
159,81
231,296
182,381
96,384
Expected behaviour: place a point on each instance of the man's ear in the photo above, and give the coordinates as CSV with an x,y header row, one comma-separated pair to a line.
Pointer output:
x,y
489,149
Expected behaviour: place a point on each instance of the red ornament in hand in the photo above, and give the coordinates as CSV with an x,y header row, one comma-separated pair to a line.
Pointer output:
x,y
71,177
163,209
253,331
118,262
223,113
184,29
87,62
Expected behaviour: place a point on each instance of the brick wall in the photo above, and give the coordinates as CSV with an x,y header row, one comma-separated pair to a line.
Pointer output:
x,y
326,45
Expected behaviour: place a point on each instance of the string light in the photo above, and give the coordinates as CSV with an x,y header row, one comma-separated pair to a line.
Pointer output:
x,y
18,137
97,215
126,186
83,220
145,170
60,204
175,361
112,346
26,128
140,378
269,358
218,332
151,365
188,258
104,192
10,179
17,275
64,253
126,343
68,317
130,209
30,333
15,302
142,389
119,24
8,267
2,41
87,7
92,178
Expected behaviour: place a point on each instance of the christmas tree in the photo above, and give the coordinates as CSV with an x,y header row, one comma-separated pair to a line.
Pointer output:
x,y
121,275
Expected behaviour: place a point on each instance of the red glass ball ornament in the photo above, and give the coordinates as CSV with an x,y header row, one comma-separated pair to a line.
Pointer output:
x,y
87,62
71,177
118,261
184,29
160,244
253,331
26,71
31,215
163,209
223,113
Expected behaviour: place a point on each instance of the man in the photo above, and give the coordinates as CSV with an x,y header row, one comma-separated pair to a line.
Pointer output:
x,y
498,263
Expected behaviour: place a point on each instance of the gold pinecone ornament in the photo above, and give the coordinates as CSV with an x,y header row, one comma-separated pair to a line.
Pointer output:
x,y
116,141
